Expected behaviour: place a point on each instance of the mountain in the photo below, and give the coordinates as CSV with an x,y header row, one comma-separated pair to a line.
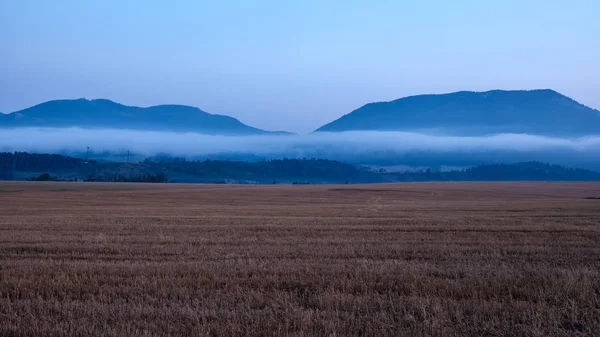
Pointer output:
x,y
542,112
102,113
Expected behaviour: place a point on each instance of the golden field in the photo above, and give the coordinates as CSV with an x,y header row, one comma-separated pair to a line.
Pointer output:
x,y
423,259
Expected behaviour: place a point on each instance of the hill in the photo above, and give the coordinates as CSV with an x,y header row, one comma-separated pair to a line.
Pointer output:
x,y
542,112
102,113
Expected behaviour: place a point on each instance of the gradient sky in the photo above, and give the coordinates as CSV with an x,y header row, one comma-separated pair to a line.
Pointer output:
x,y
292,65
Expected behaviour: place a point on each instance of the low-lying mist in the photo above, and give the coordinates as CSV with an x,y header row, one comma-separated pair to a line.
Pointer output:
x,y
360,147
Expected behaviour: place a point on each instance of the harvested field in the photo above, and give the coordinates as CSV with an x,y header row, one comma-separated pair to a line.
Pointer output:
x,y
428,259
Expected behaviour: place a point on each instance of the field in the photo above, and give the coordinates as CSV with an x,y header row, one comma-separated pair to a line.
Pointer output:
x,y
429,259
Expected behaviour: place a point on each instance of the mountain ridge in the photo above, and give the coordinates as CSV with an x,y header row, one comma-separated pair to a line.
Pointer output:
x,y
540,111
105,113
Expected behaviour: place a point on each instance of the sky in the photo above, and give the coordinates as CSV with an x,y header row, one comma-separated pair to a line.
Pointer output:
x,y
292,65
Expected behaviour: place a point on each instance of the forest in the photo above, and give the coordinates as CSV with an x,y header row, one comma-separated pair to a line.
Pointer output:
x,y
30,166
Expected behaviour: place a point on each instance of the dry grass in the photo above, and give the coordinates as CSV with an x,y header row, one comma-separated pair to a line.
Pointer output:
x,y
431,259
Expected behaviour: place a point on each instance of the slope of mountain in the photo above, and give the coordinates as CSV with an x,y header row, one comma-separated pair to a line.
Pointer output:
x,y
543,112
102,113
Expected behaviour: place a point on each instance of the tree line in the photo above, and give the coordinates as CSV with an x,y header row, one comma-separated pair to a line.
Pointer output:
x,y
300,171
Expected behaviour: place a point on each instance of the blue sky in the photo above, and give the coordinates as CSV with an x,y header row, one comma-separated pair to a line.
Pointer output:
x,y
292,65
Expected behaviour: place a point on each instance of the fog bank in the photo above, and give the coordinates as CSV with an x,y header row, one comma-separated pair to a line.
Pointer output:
x,y
358,147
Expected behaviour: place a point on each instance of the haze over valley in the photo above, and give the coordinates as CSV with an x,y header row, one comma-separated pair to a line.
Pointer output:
x,y
458,129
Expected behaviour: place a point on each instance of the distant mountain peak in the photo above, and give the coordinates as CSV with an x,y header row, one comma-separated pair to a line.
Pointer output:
x,y
541,111
105,113
101,100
